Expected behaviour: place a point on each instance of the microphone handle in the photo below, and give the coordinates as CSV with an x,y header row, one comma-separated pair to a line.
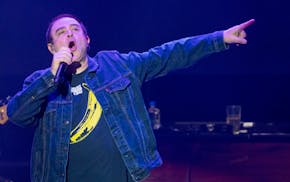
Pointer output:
x,y
60,72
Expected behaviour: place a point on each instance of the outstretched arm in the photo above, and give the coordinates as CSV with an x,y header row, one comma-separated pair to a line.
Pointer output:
x,y
237,34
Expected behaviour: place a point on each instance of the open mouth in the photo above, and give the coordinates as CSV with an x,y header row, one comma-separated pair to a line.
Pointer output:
x,y
72,46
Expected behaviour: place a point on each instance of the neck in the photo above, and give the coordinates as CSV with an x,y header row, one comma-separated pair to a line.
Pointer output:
x,y
84,65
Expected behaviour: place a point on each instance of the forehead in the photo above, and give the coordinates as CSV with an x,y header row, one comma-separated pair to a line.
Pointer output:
x,y
63,22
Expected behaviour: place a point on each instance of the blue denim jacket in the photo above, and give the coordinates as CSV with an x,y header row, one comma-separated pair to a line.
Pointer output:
x,y
116,80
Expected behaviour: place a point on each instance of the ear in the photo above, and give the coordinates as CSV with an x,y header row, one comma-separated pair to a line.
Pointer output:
x,y
50,47
88,40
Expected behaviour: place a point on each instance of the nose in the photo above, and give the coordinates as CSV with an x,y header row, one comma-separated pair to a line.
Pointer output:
x,y
69,33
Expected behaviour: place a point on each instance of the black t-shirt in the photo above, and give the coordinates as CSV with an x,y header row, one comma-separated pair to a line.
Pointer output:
x,y
93,155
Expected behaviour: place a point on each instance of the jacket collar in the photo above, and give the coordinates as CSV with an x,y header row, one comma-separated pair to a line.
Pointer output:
x,y
92,65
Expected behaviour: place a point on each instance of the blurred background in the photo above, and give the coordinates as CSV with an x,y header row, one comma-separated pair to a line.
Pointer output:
x,y
255,76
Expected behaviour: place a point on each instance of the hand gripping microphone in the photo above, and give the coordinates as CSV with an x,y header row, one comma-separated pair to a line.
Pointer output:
x,y
60,73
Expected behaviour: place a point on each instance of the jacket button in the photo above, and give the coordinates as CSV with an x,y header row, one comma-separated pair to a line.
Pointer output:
x,y
66,122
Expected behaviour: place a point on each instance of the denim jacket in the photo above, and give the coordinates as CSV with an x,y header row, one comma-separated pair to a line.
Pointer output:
x,y
116,80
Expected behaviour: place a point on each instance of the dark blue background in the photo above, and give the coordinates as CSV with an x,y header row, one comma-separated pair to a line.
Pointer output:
x,y
255,76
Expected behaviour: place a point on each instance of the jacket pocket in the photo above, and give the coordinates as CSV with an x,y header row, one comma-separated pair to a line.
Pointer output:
x,y
49,118
118,85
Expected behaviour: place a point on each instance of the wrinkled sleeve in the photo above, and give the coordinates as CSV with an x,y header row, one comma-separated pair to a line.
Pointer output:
x,y
173,55
25,106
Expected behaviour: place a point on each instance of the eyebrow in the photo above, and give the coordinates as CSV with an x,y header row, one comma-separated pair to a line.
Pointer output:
x,y
71,25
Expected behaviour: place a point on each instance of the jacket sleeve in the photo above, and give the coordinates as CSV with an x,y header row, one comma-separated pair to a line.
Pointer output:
x,y
177,54
24,107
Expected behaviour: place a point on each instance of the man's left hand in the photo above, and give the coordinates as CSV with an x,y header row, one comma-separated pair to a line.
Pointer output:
x,y
237,34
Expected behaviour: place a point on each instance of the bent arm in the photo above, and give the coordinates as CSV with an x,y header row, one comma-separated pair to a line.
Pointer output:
x,y
23,108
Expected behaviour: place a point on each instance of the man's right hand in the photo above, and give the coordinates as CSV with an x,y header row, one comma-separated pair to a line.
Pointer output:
x,y
62,55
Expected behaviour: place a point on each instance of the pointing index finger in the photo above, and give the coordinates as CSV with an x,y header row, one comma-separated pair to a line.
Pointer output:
x,y
244,25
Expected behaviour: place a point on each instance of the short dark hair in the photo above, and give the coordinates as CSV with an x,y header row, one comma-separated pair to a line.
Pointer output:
x,y
48,31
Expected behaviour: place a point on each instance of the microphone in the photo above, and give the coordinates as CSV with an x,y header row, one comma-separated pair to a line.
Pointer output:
x,y
60,73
